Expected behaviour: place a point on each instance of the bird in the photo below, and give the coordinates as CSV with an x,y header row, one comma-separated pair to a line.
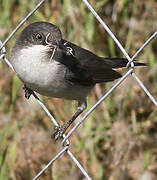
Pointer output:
x,y
50,65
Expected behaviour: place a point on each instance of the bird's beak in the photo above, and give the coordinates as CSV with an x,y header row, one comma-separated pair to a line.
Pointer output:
x,y
62,45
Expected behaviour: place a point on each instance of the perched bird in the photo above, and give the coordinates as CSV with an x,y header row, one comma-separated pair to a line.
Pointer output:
x,y
54,67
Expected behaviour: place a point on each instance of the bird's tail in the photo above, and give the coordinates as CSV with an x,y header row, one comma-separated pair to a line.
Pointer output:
x,y
120,62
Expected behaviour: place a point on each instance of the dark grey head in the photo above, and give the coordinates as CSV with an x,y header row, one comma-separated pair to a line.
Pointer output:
x,y
39,33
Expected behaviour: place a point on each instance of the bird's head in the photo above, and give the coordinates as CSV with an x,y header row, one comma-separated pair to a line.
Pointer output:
x,y
40,33
42,37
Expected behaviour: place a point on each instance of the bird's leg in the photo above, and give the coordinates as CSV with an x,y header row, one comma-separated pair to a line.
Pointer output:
x,y
28,92
60,130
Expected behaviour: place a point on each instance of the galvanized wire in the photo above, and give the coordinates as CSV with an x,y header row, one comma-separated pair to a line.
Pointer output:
x,y
97,104
51,162
22,22
65,146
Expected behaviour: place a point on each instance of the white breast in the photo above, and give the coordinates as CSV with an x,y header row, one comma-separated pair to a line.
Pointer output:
x,y
33,66
47,77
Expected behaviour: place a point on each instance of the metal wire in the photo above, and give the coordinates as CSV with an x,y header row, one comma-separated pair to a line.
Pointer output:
x,y
21,23
79,165
97,104
145,89
108,30
51,162
65,146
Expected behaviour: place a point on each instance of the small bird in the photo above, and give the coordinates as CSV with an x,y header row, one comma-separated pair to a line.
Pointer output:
x,y
54,67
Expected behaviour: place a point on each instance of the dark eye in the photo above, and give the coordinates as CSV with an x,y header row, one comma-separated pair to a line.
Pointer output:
x,y
38,36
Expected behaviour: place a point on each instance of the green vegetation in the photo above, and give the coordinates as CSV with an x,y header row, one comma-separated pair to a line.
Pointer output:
x,y
118,140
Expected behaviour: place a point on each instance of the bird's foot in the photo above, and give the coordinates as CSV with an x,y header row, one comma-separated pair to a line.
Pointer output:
x,y
28,92
59,131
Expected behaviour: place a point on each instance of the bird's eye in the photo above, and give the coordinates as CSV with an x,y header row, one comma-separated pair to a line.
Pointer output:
x,y
38,36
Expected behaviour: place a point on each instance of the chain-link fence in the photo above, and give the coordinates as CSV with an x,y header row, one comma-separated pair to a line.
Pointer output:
x,y
65,142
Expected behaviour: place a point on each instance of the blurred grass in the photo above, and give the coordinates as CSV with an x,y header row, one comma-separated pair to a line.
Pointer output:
x,y
118,140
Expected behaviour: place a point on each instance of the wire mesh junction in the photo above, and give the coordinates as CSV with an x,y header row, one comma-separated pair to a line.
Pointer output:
x,y
65,142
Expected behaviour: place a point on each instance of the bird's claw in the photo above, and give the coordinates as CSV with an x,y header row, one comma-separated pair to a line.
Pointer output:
x,y
28,92
59,131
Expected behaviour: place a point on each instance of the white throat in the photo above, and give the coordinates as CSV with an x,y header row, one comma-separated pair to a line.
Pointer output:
x,y
36,52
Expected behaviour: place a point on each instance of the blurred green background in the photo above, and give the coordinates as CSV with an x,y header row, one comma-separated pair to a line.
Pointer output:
x,y
119,140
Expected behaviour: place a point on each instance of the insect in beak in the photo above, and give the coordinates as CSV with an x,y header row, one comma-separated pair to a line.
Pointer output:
x,y
53,46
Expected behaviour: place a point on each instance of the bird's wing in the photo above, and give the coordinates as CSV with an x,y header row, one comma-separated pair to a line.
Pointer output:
x,y
86,68
89,60
87,78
